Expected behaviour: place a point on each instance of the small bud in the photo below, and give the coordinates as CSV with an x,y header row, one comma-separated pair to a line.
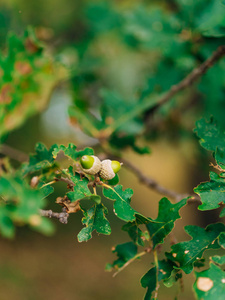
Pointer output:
x,y
34,181
90,164
109,169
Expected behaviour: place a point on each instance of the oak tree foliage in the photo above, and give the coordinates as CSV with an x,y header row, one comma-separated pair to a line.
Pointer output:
x,y
176,37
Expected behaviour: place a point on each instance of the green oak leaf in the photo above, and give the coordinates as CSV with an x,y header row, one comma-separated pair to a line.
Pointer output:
x,y
218,259
7,228
186,253
71,151
122,208
46,190
125,252
94,219
25,200
114,181
149,280
163,225
28,77
210,284
111,100
212,138
87,121
175,275
211,21
123,141
42,159
81,189
199,263
212,192
21,204
135,233
222,240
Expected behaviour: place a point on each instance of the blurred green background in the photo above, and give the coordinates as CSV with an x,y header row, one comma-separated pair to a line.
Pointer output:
x,y
101,50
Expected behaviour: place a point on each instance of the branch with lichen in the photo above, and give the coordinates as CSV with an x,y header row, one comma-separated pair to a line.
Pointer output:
x,y
61,216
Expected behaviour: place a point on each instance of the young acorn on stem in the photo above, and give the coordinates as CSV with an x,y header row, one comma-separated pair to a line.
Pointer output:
x,y
90,164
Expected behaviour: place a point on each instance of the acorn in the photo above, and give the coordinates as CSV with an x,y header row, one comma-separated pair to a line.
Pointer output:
x,y
109,169
90,164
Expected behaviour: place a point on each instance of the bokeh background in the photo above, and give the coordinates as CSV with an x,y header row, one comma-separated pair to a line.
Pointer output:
x,y
36,267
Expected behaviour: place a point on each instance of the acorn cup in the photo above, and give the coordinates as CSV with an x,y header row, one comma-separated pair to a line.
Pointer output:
x,y
109,168
90,164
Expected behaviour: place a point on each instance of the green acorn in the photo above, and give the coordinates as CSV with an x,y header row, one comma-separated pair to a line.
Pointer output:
x,y
109,168
90,164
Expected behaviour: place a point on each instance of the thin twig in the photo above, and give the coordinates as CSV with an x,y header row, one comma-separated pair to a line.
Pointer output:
x,y
193,76
62,216
154,185
148,250
49,183
155,103
64,179
14,153
157,272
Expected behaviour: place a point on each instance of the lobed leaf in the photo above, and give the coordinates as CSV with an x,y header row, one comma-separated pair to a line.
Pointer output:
x,y
150,279
212,192
135,233
71,151
122,208
42,159
222,240
186,253
21,204
164,223
94,219
81,189
125,252
28,77
7,228
212,138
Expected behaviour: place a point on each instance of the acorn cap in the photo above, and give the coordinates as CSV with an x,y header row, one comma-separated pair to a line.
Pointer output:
x,y
109,169
90,164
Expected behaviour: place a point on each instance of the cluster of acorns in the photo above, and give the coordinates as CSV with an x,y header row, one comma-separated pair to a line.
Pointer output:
x,y
106,169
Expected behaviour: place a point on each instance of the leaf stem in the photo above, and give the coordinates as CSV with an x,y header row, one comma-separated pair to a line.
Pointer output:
x,y
131,260
106,186
157,272
94,189
49,183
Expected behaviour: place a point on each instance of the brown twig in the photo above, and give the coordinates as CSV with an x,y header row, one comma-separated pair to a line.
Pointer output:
x,y
14,153
193,76
158,101
153,184
64,179
62,216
